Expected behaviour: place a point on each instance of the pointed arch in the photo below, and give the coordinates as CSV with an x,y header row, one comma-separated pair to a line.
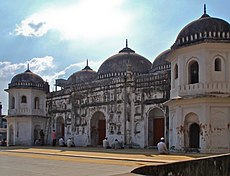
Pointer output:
x,y
193,72
194,135
11,135
37,128
191,131
97,128
36,103
156,126
23,99
12,102
60,127
217,64
176,71
219,71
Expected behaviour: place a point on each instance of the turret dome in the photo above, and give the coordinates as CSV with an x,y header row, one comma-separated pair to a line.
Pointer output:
x,y
28,80
204,29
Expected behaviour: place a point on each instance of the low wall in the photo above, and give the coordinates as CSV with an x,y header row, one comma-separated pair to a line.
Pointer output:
x,y
207,166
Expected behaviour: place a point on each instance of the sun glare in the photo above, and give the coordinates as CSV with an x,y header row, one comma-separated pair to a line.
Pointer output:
x,y
87,19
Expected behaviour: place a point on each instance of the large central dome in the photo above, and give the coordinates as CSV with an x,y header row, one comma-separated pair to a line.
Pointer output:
x,y
117,64
206,29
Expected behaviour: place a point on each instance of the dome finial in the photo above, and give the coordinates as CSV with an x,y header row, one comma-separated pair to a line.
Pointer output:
x,y
205,12
28,68
205,9
126,43
87,65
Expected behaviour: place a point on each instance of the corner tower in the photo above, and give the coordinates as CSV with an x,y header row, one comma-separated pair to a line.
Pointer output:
x,y
200,86
27,108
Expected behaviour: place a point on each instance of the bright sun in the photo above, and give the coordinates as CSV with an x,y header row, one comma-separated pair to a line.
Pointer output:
x,y
87,19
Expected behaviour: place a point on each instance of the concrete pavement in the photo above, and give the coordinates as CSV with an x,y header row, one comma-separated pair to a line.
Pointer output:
x,y
132,158
147,156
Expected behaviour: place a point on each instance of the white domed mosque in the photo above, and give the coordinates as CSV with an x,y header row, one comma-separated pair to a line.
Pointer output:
x,y
136,101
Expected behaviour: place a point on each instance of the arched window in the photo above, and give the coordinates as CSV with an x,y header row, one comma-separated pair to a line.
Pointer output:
x,y
193,72
217,64
23,100
36,103
12,103
176,71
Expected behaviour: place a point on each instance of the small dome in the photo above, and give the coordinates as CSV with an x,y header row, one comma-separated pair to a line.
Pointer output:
x,y
85,75
117,64
28,79
160,63
206,28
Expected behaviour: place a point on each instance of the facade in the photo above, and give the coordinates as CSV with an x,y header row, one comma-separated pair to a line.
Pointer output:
x,y
183,95
123,100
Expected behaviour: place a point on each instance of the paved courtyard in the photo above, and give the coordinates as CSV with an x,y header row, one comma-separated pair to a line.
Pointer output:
x,y
81,161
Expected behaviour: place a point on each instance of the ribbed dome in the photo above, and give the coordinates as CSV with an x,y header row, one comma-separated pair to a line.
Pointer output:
x,y
85,75
160,63
28,79
206,28
117,64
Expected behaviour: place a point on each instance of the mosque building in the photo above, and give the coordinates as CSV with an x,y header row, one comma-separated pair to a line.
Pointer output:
x,y
184,95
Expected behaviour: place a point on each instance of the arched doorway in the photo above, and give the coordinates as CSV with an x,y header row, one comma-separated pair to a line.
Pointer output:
x,y
156,126
60,127
97,128
191,131
194,136
37,129
11,135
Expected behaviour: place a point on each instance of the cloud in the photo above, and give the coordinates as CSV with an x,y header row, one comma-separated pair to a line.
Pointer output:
x,y
44,67
51,77
7,69
33,26
41,64
38,65
84,19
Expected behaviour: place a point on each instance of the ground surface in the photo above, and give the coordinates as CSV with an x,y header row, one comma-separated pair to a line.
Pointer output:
x,y
80,161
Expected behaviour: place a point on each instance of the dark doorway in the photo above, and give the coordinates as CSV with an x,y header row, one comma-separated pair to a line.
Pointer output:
x,y
158,130
60,127
101,131
156,126
98,128
194,136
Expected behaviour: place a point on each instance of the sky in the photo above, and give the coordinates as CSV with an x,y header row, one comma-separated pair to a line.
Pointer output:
x,y
56,37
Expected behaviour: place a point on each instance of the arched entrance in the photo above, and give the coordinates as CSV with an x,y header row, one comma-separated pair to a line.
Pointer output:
x,y
11,135
97,128
156,126
191,131
60,127
194,136
37,129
